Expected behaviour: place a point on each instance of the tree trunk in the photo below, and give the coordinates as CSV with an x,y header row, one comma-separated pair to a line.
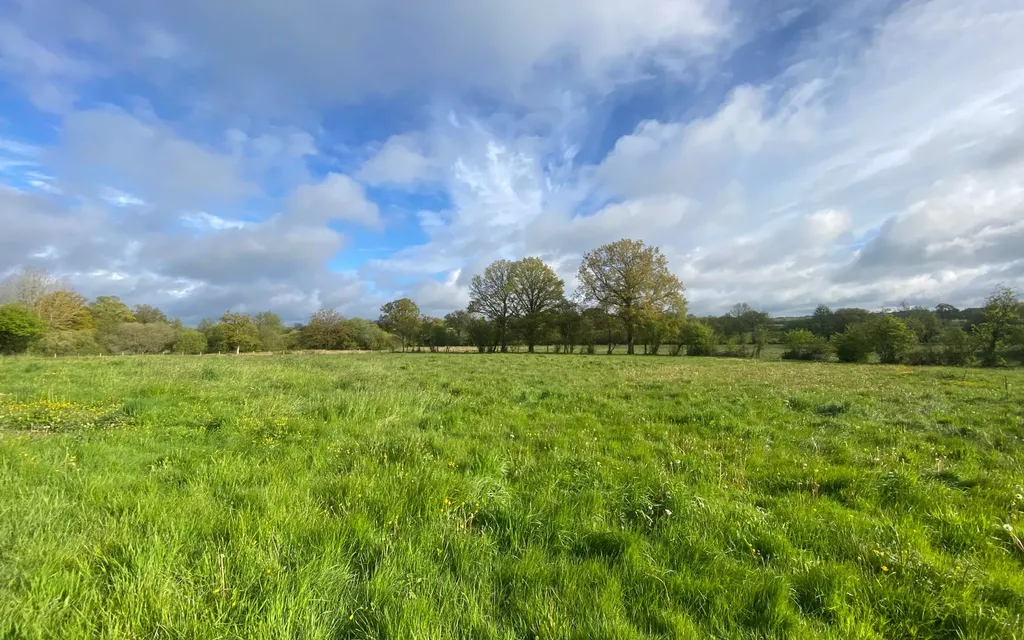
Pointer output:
x,y
529,348
238,348
629,341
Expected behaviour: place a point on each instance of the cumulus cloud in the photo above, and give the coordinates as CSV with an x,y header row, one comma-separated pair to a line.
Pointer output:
x,y
336,197
873,157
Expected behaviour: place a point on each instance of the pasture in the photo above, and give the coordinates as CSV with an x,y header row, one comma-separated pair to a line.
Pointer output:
x,y
508,496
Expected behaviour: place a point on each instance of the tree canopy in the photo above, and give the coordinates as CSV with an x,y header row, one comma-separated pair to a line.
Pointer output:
x,y
632,280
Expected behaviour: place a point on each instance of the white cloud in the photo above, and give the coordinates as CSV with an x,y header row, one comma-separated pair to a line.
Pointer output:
x,y
336,197
399,162
883,163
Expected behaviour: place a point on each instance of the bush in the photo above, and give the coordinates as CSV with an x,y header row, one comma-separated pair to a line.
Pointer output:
x,y
138,338
68,343
801,344
735,348
957,349
853,345
19,328
698,338
892,339
190,342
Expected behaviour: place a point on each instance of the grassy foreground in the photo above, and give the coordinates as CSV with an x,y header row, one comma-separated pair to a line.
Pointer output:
x,y
468,496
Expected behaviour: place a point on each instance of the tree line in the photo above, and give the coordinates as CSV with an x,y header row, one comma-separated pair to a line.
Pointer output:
x,y
627,298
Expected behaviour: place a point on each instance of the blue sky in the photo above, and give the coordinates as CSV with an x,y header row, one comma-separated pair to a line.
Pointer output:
x,y
260,154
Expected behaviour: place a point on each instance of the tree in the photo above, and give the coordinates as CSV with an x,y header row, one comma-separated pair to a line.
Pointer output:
x,y
190,342
29,286
759,338
491,297
924,323
1002,319
633,280
137,338
698,338
270,330
854,344
569,324
458,322
957,350
235,332
891,338
326,330
946,312
843,318
823,321
19,328
63,310
482,334
74,342
147,314
434,333
536,292
108,311
661,328
802,344
402,318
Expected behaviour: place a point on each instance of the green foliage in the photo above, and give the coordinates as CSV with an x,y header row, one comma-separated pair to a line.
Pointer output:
x,y
1004,316
536,293
823,321
491,297
482,334
698,338
854,344
68,343
632,280
270,331
138,338
891,338
235,332
957,347
190,342
801,344
19,328
147,314
108,311
401,318
432,496
326,330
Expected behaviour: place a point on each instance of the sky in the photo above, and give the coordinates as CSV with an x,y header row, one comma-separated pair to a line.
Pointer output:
x,y
292,155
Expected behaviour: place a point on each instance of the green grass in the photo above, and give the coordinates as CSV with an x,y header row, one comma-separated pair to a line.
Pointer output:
x,y
469,496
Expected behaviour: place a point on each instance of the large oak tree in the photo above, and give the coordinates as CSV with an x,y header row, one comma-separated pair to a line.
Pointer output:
x,y
402,318
632,280
491,297
536,293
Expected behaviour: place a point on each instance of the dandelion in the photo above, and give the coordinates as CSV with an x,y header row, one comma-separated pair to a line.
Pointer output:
x,y
885,568
351,616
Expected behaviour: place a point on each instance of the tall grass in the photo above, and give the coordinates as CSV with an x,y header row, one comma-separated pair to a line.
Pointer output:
x,y
466,496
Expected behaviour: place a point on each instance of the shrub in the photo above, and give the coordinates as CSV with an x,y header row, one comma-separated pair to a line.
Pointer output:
x,y
892,339
957,349
190,342
801,344
698,338
68,343
138,338
853,345
19,328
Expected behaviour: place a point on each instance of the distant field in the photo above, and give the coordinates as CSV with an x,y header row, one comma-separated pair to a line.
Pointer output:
x,y
516,496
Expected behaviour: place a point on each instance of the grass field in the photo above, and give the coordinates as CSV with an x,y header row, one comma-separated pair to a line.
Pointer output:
x,y
467,496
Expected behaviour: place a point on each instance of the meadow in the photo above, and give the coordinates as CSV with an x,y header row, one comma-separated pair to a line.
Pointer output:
x,y
508,496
